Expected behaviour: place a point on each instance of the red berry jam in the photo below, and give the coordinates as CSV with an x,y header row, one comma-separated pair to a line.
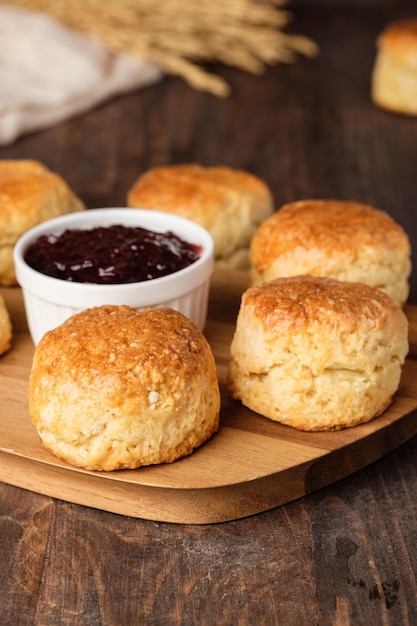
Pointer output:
x,y
110,255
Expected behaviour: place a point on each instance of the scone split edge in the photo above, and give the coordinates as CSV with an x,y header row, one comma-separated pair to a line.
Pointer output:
x,y
317,354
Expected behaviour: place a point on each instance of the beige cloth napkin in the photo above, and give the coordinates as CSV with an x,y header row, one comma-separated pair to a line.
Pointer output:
x,y
49,73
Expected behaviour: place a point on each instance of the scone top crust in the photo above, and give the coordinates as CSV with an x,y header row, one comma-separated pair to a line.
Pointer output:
x,y
399,40
119,342
29,194
298,304
327,227
191,189
229,203
338,239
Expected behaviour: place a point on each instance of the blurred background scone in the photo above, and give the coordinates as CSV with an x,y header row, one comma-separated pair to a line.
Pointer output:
x,y
117,388
29,194
229,203
394,75
5,327
343,240
315,353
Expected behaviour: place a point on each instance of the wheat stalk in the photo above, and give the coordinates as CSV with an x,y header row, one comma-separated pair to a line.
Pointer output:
x,y
182,35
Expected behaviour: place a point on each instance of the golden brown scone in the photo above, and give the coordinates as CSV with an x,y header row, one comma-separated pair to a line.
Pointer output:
x,y
29,194
229,203
5,327
394,76
315,353
343,240
117,388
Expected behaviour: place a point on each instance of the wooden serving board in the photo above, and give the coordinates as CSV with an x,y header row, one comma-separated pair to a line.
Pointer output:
x,y
251,465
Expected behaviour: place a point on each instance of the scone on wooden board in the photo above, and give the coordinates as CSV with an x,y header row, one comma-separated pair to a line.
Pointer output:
x,y
29,194
339,239
5,327
315,353
229,203
394,75
115,387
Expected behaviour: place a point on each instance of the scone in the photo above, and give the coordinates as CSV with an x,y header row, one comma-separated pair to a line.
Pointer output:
x,y
229,203
5,327
394,75
118,388
315,353
343,240
29,194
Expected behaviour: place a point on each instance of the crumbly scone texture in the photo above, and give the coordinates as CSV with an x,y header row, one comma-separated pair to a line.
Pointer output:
x,y
338,239
118,388
5,327
394,75
315,353
29,194
229,203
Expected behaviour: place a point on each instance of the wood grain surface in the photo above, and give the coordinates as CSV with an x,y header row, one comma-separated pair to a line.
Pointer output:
x,y
346,553
249,466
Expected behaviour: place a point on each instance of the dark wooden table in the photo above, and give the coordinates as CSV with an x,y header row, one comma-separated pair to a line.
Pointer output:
x,y
344,555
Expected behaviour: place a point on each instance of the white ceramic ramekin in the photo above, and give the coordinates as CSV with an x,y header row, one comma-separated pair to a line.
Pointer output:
x,y
50,301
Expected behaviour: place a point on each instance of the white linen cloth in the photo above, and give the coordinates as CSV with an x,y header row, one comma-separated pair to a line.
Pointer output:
x,y
50,73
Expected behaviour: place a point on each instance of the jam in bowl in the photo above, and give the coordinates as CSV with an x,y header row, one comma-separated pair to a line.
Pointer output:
x,y
137,257
110,254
